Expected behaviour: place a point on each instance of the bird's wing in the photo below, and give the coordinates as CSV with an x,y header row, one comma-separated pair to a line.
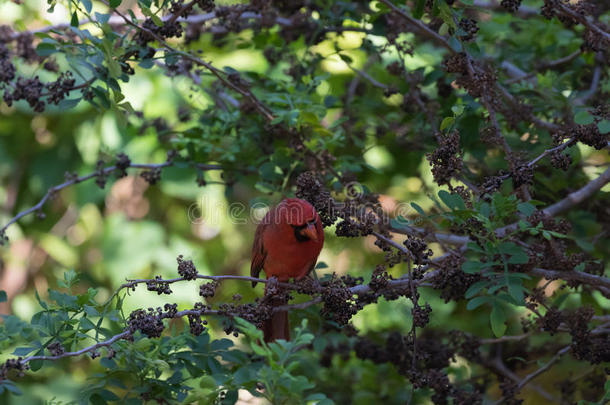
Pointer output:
x,y
259,253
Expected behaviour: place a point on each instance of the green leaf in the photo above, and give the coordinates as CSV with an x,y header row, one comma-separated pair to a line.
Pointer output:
x,y
86,324
45,49
458,109
584,244
472,267
417,208
515,290
3,297
418,10
10,386
67,104
475,288
519,258
277,120
455,44
156,20
447,122
346,58
444,29
101,18
453,201
321,265
526,208
477,302
330,101
23,351
74,20
497,318
485,210
583,118
40,301
604,126
446,14
114,3
87,4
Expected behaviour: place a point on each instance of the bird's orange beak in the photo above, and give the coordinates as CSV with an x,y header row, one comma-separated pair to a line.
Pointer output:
x,y
310,232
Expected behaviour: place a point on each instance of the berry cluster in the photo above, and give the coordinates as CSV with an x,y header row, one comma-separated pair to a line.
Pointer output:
x,y
186,268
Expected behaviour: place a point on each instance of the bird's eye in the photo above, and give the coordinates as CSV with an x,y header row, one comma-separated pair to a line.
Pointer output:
x,y
305,225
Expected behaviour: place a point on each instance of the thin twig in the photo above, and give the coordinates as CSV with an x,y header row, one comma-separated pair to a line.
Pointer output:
x,y
580,195
104,172
584,20
543,66
420,26
219,74
585,278
544,368
87,349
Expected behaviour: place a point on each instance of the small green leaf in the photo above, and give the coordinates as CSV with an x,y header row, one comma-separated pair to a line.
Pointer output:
x,y
485,209
87,4
447,122
453,201
330,101
418,10
515,290
45,49
455,44
346,58
101,18
277,120
458,109
156,20
471,267
417,208
114,3
86,324
23,351
40,301
583,118
497,318
526,208
10,386
604,126
477,302
519,258
475,288
74,20
67,104
258,349
3,297
321,265
444,29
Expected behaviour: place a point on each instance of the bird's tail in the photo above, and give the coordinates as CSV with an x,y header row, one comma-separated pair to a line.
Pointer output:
x,y
276,327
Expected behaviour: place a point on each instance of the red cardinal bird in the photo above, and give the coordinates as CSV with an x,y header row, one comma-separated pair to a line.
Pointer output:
x,y
286,245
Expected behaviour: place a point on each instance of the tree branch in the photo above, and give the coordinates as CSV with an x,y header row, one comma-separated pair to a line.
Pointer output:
x,y
544,368
420,26
219,74
99,173
580,195
581,276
